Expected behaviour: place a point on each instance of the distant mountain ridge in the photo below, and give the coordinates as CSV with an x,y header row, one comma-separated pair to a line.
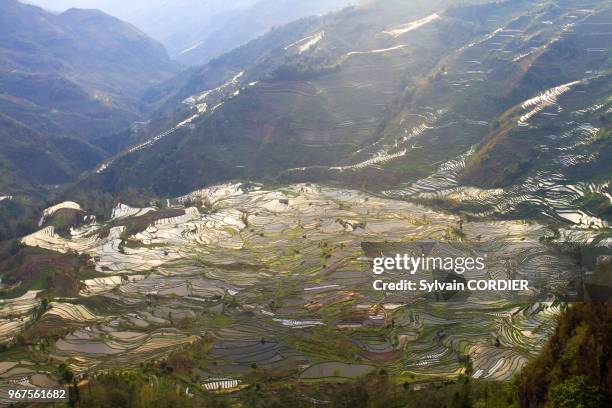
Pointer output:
x,y
79,72
196,31
248,23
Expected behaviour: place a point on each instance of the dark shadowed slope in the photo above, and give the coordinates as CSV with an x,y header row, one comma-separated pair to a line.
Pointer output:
x,y
68,82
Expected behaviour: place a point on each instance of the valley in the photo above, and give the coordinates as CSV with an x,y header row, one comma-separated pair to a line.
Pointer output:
x,y
391,134
265,276
209,230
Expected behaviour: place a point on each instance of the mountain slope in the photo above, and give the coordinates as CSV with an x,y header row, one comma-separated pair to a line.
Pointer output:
x,y
68,84
543,93
196,31
582,79
575,368
29,158
78,73
410,101
536,92
308,101
243,25
31,167
177,24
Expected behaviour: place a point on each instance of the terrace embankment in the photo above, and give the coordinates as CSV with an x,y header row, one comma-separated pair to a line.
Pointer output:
x,y
277,280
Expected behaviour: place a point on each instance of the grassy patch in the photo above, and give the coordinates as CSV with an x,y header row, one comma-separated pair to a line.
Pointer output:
x,y
596,204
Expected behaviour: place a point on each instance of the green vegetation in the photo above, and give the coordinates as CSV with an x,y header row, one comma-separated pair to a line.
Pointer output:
x,y
204,205
576,392
596,204
163,388
38,269
572,368
220,321
327,344
185,360
136,390
65,219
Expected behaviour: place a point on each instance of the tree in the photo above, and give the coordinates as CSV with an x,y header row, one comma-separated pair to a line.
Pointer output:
x,y
65,373
576,393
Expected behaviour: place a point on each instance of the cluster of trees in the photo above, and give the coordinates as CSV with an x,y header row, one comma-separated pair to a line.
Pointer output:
x,y
136,390
17,217
301,71
575,368
139,389
597,204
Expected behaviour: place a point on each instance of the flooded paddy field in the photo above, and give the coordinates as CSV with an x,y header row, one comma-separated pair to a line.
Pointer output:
x,y
555,187
277,280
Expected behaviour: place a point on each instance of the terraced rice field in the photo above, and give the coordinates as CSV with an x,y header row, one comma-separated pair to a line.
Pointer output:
x,y
413,25
16,313
277,279
551,192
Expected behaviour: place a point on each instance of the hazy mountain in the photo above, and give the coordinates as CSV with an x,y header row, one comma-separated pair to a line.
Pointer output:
x,y
78,73
195,31
177,24
67,80
232,29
